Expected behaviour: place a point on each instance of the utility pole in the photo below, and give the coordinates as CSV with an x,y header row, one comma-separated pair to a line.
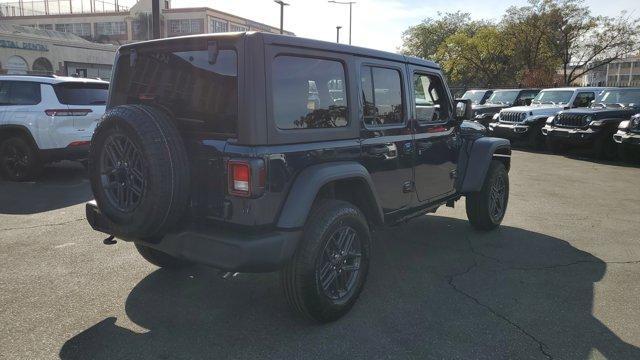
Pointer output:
x,y
350,3
282,5
155,18
338,33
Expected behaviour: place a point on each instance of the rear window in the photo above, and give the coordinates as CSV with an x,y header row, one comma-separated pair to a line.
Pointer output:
x,y
81,94
202,96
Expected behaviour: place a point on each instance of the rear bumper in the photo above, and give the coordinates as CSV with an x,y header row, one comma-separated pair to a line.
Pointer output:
x,y
509,131
222,249
78,152
626,138
572,136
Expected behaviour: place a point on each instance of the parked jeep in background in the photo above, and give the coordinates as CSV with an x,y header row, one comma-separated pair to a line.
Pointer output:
x,y
593,126
628,139
210,152
478,96
501,99
46,119
526,122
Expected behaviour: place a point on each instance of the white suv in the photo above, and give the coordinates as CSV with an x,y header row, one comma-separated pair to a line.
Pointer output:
x,y
526,122
46,119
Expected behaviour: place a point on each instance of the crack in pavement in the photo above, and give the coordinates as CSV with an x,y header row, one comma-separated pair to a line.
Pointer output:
x,y
450,280
42,225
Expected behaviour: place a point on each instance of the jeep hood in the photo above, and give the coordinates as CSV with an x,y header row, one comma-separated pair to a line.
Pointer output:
x,y
537,110
597,113
487,108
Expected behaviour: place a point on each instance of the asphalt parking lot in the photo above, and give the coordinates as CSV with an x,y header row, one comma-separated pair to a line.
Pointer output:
x,y
560,279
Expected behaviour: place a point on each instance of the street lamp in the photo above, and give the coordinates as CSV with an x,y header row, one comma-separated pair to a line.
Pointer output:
x,y
282,5
346,3
338,33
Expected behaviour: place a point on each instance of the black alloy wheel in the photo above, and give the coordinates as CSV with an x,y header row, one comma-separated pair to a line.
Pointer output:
x,y
18,160
338,265
122,172
497,198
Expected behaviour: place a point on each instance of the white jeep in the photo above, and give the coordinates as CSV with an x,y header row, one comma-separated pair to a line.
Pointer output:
x,y
46,119
526,122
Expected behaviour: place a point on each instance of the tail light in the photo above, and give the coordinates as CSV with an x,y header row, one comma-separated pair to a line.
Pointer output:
x,y
246,177
67,112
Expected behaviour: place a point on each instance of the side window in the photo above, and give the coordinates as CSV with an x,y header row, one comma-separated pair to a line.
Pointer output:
x,y
584,99
430,98
4,93
24,93
382,95
527,96
308,93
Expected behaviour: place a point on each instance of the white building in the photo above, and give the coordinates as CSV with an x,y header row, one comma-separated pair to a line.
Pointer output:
x,y
25,50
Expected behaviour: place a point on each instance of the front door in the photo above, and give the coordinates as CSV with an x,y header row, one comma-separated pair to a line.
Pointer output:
x,y
436,141
386,134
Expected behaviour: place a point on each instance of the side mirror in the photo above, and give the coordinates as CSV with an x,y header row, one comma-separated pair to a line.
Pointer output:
x,y
464,110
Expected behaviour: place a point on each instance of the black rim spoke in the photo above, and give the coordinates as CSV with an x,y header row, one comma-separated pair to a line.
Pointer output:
x,y
122,169
339,265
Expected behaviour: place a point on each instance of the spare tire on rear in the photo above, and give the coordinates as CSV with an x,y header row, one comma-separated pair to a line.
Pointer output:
x,y
139,171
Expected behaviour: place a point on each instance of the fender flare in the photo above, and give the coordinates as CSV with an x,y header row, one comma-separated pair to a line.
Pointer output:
x,y
309,182
481,152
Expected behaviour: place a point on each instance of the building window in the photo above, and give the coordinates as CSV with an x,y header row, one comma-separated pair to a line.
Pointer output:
x,y
237,28
46,26
111,28
217,25
80,29
185,26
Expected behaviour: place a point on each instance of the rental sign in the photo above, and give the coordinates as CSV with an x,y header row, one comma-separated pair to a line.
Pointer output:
x,y
10,44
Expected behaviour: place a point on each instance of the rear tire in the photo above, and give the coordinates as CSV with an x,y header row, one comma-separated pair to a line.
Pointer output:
x,y
327,273
487,207
161,259
139,171
19,160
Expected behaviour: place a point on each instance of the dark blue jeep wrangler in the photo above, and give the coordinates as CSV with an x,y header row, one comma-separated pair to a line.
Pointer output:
x,y
253,152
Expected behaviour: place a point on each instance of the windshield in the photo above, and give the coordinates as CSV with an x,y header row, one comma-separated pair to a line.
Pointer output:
x,y
553,97
618,98
474,95
503,97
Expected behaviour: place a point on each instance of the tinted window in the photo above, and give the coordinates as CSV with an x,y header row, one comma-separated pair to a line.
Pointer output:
x,y
308,93
382,93
201,95
584,99
82,94
431,101
19,93
4,93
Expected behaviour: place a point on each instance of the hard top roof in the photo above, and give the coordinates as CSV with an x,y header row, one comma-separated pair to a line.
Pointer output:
x,y
301,42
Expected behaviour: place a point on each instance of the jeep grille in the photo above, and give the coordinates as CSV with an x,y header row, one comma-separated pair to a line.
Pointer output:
x,y
512,116
571,120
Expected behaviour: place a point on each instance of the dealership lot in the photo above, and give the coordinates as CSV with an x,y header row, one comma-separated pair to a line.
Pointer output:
x,y
560,279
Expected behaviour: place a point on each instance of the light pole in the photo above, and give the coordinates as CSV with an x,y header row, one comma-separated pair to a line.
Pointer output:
x,y
350,3
282,5
338,33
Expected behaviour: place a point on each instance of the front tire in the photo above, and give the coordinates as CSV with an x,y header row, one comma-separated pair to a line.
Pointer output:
x,y
535,139
327,273
161,259
19,161
556,146
605,147
627,154
486,208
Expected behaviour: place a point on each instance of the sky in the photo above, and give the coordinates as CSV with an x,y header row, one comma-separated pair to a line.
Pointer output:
x,y
376,24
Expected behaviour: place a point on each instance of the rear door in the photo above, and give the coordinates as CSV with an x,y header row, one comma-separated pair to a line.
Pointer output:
x,y
19,100
4,100
387,141
436,150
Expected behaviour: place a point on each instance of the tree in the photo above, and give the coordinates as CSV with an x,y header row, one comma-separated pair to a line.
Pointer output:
x,y
482,59
584,42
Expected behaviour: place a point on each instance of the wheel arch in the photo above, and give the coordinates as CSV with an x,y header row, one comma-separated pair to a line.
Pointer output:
x,y
7,131
482,152
348,181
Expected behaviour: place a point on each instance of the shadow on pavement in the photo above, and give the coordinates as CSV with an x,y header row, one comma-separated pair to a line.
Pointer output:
x,y
60,185
437,289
